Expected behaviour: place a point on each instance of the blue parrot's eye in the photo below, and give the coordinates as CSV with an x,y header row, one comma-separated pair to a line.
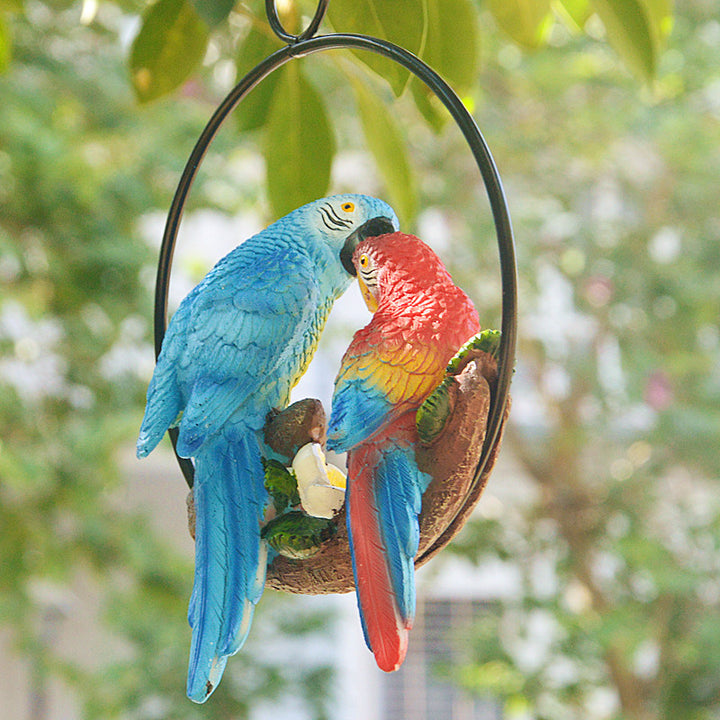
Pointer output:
x,y
348,207
332,220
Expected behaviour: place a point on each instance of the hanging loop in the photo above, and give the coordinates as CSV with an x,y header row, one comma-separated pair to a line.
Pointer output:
x,y
284,35
298,47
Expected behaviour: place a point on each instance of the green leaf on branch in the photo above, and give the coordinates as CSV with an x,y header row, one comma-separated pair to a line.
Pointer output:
x,y
387,145
169,47
254,108
633,31
281,484
453,44
401,22
574,13
660,16
453,50
299,144
213,12
525,21
430,107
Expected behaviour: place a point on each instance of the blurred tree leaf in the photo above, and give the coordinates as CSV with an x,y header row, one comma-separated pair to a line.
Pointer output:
x,y
169,47
299,144
453,44
402,22
525,21
660,15
255,107
5,45
632,32
574,12
387,145
453,50
429,106
213,12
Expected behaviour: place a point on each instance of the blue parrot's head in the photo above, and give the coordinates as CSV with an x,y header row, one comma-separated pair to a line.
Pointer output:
x,y
341,222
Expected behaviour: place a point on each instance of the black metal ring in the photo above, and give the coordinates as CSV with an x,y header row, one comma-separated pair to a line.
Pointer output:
x,y
306,34
488,171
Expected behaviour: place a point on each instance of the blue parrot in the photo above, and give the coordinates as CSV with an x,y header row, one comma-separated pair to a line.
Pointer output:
x,y
234,349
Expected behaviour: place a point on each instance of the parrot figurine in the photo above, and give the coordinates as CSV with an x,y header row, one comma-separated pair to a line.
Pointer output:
x,y
233,350
420,319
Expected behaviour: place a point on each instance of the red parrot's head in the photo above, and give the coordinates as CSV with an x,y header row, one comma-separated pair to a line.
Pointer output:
x,y
397,264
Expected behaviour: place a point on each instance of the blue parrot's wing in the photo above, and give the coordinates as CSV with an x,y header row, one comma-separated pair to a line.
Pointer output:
x,y
214,399
234,335
359,410
381,378
164,396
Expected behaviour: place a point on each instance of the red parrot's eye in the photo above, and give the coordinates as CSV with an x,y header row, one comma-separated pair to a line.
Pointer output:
x,y
364,261
348,207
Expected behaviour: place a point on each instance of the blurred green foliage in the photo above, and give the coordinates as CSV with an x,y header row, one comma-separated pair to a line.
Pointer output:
x,y
617,392
80,164
175,36
612,185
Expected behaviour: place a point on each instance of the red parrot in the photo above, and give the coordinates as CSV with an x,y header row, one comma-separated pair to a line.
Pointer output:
x,y
420,320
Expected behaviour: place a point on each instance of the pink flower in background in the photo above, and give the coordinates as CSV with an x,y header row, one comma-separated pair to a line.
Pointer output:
x,y
659,391
599,290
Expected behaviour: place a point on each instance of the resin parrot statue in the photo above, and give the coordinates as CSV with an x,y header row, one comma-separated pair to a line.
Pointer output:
x,y
233,350
420,320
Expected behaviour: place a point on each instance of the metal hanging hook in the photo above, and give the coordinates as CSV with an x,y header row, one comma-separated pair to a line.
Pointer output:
x,y
305,44
284,35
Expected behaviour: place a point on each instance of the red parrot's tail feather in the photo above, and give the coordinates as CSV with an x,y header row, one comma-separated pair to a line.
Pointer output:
x,y
385,631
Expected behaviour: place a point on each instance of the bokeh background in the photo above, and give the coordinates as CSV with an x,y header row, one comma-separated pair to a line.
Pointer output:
x,y
587,585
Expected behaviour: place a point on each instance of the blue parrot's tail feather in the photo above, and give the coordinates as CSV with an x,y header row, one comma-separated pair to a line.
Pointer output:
x,y
246,573
230,559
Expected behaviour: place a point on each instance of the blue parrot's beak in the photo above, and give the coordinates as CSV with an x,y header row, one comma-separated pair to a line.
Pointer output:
x,y
372,228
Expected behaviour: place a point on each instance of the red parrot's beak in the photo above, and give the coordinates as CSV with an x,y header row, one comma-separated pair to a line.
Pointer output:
x,y
368,297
